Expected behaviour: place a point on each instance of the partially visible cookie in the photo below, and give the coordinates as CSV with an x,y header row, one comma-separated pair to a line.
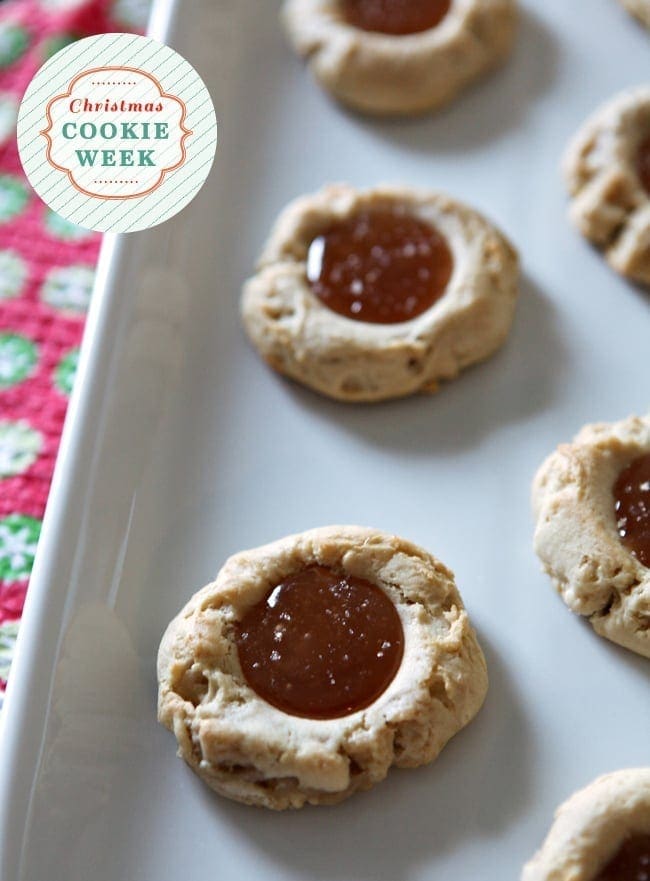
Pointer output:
x,y
607,168
602,833
400,56
313,664
640,9
365,296
591,500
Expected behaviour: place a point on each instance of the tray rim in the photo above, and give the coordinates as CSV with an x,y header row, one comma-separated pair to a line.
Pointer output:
x,y
515,697
54,548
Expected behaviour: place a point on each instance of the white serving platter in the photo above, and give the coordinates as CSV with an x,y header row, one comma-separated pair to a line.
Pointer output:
x,y
181,448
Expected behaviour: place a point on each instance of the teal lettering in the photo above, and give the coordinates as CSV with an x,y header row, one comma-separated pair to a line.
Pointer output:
x,y
145,158
126,157
108,130
129,132
73,127
108,157
162,131
86,157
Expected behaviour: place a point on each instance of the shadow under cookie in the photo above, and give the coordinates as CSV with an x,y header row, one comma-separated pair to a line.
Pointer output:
x,y
478,787
518,382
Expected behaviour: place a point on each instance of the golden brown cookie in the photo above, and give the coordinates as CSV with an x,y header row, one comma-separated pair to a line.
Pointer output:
x,y
607,168
602,833
591,500
286,681
400,56
365,296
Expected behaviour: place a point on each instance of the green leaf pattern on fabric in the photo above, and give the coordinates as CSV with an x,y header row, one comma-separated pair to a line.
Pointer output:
x,y
14,40
69,287
18,357
14,195
66,371
13,274
55,44
18,539
8,636
20,445
8,117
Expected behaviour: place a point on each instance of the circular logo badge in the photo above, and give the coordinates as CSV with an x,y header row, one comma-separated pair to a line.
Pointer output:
x,y
117,133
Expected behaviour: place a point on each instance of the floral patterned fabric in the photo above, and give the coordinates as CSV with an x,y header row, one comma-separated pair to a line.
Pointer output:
x,y
46,278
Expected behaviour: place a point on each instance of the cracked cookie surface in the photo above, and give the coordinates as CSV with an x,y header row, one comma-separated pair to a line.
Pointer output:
x,y
577,535
351,360
384,73
591,826
609,203
253,752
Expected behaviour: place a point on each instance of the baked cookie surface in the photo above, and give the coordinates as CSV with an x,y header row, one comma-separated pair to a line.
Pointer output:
x,y
586,528
249,749
602,833
607,169
640,9
363,53
301,335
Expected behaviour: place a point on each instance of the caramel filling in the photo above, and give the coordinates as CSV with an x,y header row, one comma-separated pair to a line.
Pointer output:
x,y
395,17
643,164
380,266
631,862
632,506
321,645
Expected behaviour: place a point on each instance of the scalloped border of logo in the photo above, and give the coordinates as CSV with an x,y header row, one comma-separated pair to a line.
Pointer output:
x,y
167,95
186,132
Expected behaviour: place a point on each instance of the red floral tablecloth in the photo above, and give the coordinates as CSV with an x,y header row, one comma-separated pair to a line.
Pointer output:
x,y
46,277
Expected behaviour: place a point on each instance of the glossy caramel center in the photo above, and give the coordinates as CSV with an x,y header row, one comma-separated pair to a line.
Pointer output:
x,y
321,645
643,164
380,266
631,863
395,17
632,506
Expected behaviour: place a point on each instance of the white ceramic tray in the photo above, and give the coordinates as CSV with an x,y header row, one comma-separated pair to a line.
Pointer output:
x,y
181,448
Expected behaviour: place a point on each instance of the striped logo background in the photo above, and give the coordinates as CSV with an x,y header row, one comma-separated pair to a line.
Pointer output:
x,y
176,77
